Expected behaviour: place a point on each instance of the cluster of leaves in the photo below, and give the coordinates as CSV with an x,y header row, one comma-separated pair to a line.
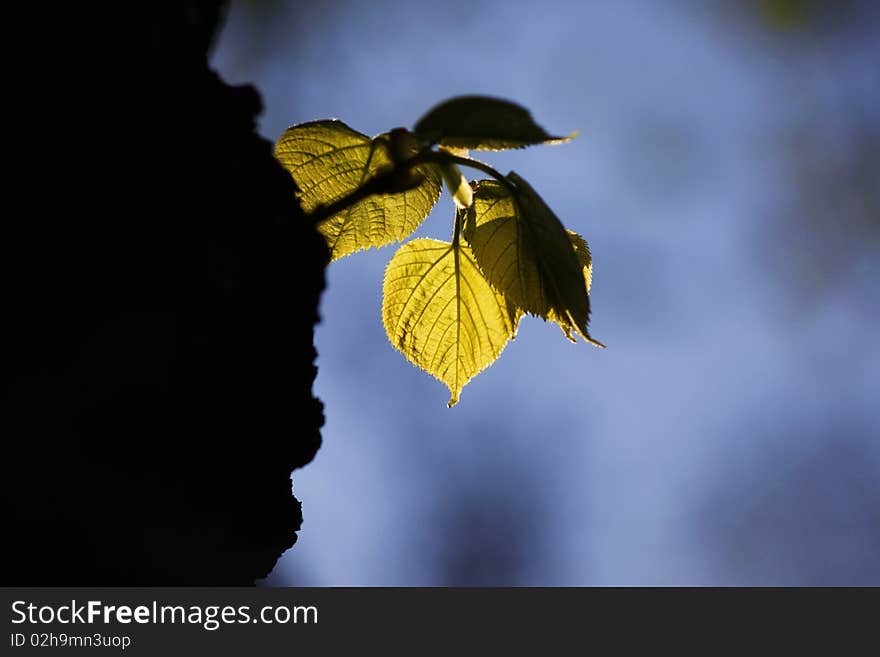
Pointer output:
x,y
449,307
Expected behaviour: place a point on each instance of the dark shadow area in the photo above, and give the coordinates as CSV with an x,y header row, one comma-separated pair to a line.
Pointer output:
x,y
163,293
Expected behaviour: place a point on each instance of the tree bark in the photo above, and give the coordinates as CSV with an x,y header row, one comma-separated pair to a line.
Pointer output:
x,y
163,290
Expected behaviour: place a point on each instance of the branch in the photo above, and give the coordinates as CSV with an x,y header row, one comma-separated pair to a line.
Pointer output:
x,y
399,179
446,157
393,181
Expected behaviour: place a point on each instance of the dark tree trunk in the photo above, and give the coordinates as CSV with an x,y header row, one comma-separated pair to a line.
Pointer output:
x,y
163,292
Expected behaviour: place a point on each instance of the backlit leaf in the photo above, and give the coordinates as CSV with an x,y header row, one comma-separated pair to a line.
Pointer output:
x,y
528,256
328,160
483,124
442,314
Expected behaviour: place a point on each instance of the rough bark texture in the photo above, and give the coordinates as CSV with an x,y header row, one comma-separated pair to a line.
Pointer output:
x,y
163,297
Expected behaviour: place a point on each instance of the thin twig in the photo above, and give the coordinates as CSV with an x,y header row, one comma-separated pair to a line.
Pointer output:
x,y
388,181
375,185
446,157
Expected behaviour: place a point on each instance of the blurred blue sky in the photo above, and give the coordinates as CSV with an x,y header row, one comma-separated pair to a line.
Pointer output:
x,y
726,179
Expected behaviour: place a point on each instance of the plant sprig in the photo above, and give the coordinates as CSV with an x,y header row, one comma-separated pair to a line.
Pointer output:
x,y
449,307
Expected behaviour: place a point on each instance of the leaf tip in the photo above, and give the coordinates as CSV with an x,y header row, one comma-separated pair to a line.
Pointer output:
x,y
594,342
553,141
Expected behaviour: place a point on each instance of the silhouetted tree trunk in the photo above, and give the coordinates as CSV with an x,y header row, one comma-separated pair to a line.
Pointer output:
x,y
163,291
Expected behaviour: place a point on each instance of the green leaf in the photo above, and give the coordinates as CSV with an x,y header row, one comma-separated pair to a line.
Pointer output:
x,y
328,160
483,124
442,314
526,254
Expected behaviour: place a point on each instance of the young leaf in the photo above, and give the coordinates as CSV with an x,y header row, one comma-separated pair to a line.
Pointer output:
x,y
328,160
528,256
442,314
458,185
483,124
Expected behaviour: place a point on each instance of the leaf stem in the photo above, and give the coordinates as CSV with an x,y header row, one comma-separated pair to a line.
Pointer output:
x,y
456,229
445,157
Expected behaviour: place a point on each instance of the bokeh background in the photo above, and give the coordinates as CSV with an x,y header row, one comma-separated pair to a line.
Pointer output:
x,y
727,178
